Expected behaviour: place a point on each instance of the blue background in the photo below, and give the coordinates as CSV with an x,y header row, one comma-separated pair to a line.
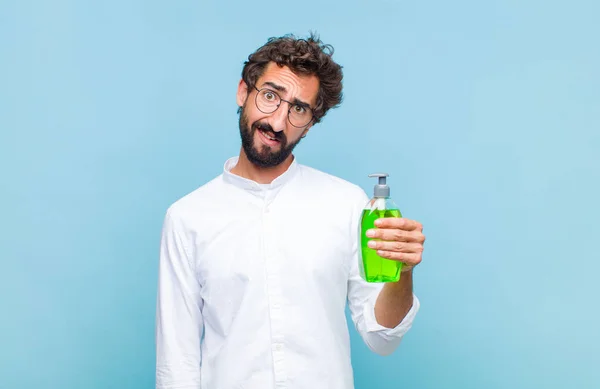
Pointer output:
x,y
485,114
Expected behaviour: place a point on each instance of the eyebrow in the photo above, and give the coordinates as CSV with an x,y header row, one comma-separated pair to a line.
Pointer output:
x,y
281,88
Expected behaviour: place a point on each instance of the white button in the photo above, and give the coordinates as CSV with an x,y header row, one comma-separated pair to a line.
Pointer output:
x,y
278,347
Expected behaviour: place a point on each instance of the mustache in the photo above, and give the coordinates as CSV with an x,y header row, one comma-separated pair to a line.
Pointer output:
x,y
266,128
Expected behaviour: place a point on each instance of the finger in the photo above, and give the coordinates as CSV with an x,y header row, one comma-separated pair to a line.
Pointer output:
x,y
411,259
401,247
396,235
399,222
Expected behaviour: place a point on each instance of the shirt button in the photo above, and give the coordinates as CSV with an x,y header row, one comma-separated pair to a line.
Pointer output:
x,y
279,347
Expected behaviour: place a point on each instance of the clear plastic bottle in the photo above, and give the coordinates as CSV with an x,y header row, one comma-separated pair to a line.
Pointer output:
x,y
373,267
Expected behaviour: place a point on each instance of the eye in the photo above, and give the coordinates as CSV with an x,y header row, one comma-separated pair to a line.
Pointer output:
x,y
269,95
299,110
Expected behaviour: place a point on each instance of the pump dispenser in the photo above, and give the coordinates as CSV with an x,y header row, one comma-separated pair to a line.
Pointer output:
x,y
374,268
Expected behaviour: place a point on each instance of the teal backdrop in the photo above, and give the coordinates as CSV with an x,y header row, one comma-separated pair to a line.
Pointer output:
x,y
486,115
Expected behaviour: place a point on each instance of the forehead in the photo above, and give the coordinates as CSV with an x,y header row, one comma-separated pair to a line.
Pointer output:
x,y
302,87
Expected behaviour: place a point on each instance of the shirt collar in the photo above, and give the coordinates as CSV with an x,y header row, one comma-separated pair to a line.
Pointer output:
x,y
251,185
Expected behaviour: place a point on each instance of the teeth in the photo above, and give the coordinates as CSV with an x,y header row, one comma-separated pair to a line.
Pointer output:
x,y
265,134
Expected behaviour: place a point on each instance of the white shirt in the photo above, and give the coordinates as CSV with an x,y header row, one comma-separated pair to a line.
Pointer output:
x,y
253,285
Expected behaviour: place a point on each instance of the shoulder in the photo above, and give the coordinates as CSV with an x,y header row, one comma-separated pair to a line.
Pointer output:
x,y
192,203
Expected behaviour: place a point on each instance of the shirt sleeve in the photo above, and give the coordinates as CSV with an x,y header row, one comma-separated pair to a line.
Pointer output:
x,y
362,296
179,322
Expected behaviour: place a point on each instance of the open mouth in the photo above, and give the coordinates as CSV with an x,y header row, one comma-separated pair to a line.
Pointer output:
x,y
268,137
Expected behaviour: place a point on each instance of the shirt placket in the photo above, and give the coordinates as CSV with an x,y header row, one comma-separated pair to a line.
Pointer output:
x,y
273,275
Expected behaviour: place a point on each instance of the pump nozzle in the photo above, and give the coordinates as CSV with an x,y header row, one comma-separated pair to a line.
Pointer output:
x,y
381,189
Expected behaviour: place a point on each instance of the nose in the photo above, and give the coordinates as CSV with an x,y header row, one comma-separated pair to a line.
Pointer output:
x,y
279,119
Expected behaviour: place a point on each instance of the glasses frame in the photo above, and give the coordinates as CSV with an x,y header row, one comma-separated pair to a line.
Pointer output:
x,y
312,113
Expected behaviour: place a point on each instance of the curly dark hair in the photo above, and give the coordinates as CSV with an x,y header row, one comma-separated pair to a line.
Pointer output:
x,y
307,56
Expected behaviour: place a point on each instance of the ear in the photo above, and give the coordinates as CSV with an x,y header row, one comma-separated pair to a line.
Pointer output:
x,y
242,93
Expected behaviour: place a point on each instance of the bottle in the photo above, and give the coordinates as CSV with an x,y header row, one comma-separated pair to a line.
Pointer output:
x,y
374,268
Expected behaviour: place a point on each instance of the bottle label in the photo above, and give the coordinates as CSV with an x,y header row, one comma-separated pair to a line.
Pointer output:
x,y
376,204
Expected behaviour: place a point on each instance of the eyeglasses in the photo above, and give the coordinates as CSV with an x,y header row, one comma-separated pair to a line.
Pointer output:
x,y
268,101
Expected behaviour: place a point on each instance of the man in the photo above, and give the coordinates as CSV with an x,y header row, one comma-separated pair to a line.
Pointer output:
x,y
257,265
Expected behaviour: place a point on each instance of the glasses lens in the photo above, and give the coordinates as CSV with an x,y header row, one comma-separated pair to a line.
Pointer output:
x,y
300,116
267,100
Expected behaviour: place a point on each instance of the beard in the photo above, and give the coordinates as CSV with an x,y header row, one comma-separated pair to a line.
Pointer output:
x,y
264,157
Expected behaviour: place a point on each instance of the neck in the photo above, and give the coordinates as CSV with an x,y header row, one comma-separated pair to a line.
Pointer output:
x,y
262,175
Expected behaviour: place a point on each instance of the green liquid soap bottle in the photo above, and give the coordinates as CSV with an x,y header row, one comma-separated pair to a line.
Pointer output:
x,y
374,268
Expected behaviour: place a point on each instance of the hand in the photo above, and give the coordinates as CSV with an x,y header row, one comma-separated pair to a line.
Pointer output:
x,y
401,240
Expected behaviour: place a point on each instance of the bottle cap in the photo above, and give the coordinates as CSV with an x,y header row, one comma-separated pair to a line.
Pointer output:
x,y
381,189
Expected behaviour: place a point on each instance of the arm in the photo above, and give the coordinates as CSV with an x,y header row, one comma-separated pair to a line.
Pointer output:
x,y
375,320
395,301
179,323
382,313
401,240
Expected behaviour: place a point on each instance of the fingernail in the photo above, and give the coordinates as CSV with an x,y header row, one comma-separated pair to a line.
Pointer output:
x,y
371,244
377,222
370,233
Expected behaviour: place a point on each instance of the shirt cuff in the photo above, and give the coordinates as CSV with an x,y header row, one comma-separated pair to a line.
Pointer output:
x,y
396,332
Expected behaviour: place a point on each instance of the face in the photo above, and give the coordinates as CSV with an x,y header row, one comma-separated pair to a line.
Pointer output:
x,y
269,139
